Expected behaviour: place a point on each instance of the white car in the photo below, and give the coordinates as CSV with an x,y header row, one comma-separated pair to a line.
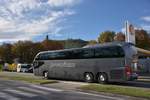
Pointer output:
x,y
23,67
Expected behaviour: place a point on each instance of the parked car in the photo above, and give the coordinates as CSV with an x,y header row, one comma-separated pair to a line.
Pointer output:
x,y
24,68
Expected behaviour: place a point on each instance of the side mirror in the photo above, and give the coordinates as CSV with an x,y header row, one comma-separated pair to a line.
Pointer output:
x,y
37,64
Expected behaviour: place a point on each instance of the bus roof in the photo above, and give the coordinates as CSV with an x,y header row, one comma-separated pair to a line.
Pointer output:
x,y
108,44
93,46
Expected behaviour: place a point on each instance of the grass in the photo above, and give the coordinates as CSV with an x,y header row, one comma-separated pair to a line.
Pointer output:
x,y
28,79
129,91
0,67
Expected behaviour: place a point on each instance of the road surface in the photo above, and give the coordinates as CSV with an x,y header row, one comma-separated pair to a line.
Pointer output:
x,y
15,90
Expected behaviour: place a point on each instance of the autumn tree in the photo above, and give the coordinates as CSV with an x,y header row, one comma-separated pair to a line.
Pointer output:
x,y
142,39
119,37
51,45
107,36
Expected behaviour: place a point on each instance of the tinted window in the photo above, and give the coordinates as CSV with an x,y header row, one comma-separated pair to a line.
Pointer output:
x,y
82,53
77,53
25,66
54,55
109,52
59,55
100,52
88,53
120,51
42,56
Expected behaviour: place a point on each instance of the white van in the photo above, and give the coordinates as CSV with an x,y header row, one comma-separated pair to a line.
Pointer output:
x,y
23,67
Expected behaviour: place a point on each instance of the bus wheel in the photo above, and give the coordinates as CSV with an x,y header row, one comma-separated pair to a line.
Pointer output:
x,y
88,77
102,78
45,74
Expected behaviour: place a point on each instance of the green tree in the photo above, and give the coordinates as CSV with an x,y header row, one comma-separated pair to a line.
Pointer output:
x,y
92,42
5,53
107,36
25,51
74,43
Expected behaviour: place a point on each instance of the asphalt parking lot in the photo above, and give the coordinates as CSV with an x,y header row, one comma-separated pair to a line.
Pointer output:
x,y
72,85
15,90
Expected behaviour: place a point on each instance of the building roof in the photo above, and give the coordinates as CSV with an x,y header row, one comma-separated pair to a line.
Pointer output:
x,y
143,52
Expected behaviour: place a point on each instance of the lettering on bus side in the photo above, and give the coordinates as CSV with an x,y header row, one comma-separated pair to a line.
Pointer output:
x,y
64,64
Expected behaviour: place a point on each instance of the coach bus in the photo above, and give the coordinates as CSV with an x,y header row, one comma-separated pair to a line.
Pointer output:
x,y
98,63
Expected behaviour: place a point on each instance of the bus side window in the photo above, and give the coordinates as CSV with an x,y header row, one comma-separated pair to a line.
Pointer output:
x,y
121,52
77,53
98,53
88,53
82,53
112,52
44,56
61,55
109,52
52,55
58,55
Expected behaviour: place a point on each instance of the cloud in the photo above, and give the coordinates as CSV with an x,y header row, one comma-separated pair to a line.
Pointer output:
x,y
59,3
24,19
146,18
146,27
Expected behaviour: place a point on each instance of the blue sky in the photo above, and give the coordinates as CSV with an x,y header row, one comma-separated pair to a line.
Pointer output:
x,y
62,19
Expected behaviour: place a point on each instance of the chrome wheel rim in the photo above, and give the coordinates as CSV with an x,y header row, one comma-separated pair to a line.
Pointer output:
x,y
45,74
102,78
88,77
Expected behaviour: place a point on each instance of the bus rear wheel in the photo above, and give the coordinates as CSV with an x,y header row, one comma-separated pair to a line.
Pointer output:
x,y
102,78
88,77
45,74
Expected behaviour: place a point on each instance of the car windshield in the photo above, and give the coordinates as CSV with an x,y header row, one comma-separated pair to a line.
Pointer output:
x,y
25,66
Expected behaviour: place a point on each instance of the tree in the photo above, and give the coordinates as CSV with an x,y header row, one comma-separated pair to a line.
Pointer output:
x,y
92,42
142,39
52,45
34,50
119,37
5,53
74,43
25,51
107,36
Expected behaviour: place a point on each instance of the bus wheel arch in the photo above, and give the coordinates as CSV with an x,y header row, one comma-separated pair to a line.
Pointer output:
x,y
88,77
102,77
45,74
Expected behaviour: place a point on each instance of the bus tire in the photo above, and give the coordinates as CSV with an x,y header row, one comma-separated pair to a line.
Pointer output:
x,y
88,77
102,78
45,74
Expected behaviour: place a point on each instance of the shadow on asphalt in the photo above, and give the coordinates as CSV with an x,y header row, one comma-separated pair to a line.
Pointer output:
x,y
129,83
133,84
